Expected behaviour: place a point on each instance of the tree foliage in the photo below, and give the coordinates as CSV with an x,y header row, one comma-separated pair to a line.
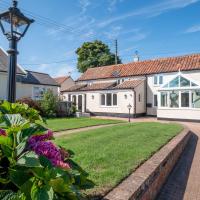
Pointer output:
x,y
94,54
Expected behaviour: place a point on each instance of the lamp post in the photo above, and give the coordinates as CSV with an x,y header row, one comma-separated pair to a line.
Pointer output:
x,y
129,115
14,25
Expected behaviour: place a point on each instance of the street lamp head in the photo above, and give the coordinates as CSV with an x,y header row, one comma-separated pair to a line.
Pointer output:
x,y
129,106
14,24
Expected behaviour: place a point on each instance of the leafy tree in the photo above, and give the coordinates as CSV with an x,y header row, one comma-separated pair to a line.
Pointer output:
x,y
94,54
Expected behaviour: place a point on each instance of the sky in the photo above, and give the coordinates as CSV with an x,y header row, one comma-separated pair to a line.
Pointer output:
x,y
154,28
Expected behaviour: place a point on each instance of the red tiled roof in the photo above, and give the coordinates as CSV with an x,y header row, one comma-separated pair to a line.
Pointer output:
x,y
163,65
76,87
61,79
129,84
105,86
98,86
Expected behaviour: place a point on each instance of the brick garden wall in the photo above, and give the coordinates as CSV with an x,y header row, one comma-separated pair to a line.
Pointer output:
x,y
147,180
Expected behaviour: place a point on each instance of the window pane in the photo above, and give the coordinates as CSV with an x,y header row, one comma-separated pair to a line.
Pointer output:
x,y
174,99
139,98
155,80
175,82
160,80
114,99
184,82
103,99
185,99
155,100
196,99
164,99
109,99
193,84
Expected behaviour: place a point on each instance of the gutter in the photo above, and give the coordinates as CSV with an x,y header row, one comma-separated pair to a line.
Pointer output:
x,y
146,95
134,104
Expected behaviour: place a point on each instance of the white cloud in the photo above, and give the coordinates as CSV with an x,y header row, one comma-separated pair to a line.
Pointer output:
x,y
112,4
84,4
151,11
193,29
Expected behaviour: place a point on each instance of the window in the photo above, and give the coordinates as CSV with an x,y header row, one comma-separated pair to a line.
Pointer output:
x,y
74,99
123,80
184,82
164,99
108,99
155,100
103,99
158,80
38,92
185,99
174,82
174,99
118,81
114,99
139,98
196,99
155,80
69,97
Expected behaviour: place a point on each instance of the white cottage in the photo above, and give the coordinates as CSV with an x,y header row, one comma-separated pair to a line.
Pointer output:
x,y
29,84
168,88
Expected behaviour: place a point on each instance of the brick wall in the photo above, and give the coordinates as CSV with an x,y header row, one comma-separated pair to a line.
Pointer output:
x,y
146,181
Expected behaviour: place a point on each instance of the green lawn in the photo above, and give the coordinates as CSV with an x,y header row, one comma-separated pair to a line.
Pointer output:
x,y
73,123
109,154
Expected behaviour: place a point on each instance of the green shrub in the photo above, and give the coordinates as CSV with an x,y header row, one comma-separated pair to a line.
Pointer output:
x,y
32,167
49,104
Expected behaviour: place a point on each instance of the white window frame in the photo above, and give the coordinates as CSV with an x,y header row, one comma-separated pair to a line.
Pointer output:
x,y
112,93
158,79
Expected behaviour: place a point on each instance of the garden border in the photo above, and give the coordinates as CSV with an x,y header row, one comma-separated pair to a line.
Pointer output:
x,y
147,180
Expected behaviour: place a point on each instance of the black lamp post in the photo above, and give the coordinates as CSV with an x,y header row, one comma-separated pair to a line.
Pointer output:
x,y
14,25
129,115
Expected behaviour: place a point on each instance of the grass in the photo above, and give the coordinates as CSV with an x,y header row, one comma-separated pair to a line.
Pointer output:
x,y
74,123
110,154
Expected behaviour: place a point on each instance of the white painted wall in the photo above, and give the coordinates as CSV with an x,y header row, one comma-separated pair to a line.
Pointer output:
x,y
193,114
22,90
93,105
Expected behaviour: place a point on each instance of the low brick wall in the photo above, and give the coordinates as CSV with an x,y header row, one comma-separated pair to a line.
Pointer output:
x,y
147,180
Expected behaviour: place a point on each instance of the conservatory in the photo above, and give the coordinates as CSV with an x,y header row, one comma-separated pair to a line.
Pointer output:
x,y
179,99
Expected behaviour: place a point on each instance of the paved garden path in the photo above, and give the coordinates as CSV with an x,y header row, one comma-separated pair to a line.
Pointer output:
x,y
67,132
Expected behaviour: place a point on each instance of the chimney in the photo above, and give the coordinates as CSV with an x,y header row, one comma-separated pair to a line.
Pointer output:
x,y
136,57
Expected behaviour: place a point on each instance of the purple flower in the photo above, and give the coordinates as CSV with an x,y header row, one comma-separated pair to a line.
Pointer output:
x,y
41,147
2,132
36,138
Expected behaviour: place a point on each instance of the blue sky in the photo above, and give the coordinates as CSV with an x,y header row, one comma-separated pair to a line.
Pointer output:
x,y
155,28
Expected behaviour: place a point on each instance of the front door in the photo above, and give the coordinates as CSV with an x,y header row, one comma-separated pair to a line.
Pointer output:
x,y
80,103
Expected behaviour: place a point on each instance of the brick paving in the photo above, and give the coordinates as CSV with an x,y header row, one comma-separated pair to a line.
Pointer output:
x,y
184,181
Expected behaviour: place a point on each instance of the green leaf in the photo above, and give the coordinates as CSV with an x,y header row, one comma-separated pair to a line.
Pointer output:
x,y
4,140
20,148
59,185
41,192
29,159
19,177
9,195
26,188
45,162
7,150
14,120
35,129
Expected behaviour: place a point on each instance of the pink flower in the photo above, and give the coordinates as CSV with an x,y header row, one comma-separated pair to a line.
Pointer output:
x,y
2,132
42,147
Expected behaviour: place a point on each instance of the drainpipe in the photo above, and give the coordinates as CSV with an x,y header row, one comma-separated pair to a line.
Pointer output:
x,y
134,103
146,94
